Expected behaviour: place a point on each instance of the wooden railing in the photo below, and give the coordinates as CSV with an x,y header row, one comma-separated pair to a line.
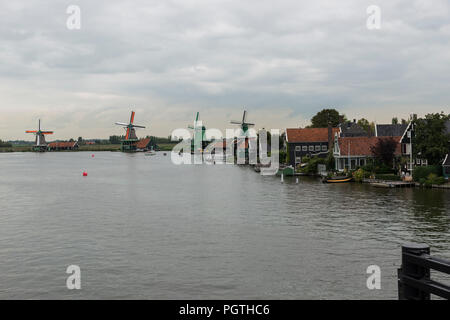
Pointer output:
x,y
414,282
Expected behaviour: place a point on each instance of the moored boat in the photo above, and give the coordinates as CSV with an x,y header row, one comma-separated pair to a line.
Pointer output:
x,y
337,179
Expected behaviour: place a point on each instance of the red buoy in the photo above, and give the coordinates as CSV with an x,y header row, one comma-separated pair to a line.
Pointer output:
x,y
93,156
84,174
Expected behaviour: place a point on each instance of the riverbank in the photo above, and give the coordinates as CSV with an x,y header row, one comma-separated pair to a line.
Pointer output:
x,y
91,148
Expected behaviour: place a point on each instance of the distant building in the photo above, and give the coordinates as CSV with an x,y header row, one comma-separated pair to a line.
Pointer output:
x,y
143,144
353,152
62,145
446,166
308,142
352,129
390,130
446,162
405,141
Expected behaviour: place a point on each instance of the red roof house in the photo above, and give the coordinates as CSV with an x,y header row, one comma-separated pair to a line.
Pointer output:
x,y
352,152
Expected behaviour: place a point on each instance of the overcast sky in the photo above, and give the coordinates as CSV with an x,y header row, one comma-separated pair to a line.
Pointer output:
x,y
281,60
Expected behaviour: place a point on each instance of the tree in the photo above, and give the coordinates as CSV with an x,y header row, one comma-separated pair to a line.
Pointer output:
x,y
320,120
395,120
430,139
5,144
115,139
80,139
369,127
384,150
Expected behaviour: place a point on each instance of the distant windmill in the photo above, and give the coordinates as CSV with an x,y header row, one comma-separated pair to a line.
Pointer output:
x,y
129,143
198,130
131,132
40,143
244,124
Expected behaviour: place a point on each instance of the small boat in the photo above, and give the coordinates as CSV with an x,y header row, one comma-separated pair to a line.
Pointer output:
x,y
150,153
337,179
286,171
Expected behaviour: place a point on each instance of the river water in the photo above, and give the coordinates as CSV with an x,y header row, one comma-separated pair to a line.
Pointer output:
x,y
140,227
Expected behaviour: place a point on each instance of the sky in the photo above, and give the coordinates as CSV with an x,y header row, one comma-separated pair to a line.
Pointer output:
x,y
283,61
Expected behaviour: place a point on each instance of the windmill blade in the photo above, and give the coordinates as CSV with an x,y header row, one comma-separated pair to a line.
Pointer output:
x,y
191,127
128,134
244,117
136,126
249,124
235,122
31,131
122,124
47,132
196,118
132,117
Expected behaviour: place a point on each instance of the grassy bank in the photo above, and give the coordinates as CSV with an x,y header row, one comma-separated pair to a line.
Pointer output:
x,y
99,147
90,148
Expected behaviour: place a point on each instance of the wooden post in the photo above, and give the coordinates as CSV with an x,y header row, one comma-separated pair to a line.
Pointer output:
x,y
412,270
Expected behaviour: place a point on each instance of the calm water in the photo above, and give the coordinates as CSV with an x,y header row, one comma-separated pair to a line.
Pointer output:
x,y
140,227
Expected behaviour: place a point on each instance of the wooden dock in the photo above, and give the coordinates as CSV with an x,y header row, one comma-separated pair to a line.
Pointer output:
x,y
393,184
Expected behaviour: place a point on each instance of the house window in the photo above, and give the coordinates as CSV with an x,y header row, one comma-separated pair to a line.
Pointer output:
x,y
311,148
324,147
298,160
425,162
304,148
317,148
297,148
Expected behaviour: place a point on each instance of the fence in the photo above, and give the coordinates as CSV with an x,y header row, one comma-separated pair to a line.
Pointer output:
x,y
414,282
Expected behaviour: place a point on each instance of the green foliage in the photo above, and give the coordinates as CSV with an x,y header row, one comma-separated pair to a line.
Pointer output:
x,y
358,175
384,150
369,127
5,144
115,139
430,140
425,171
282,156
330,163
433,178
311,166
321,119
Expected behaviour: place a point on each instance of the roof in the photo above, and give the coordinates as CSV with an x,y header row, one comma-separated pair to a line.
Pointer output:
x,y
446,162
352,129
143,143
62,144
309,134
390,130
361,146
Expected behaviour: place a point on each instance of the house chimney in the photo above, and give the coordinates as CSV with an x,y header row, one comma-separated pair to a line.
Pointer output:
x,y
330,136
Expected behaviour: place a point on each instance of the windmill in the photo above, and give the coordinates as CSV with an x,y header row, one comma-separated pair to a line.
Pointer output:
x,y
129,143
199,133
40,143
244,125
243,153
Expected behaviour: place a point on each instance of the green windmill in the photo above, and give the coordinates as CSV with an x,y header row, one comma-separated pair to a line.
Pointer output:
x,y
244,127
244,124
199,133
